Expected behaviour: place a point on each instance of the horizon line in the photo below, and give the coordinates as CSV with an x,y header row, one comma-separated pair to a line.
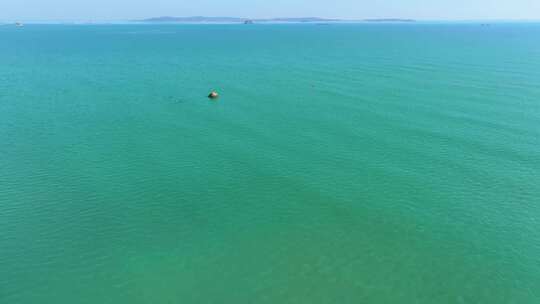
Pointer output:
x,y
332,19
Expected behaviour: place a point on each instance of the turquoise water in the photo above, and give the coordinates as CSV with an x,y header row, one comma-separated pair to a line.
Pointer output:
x,y
342,164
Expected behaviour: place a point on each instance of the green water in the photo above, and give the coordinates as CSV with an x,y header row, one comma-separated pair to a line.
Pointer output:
x,y
342,164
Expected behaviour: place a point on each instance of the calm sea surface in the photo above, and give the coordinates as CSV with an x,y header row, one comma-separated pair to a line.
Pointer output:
x,y
342,164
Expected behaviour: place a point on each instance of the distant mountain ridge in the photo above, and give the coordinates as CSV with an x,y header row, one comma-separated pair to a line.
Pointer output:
x,y
202,19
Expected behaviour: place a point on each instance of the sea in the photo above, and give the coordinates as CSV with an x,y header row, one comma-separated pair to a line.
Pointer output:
x,y
342,163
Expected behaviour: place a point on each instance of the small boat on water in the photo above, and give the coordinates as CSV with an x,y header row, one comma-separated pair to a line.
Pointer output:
x,y
19,24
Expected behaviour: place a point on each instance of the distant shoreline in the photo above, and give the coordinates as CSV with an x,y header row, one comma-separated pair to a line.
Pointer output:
x,y
201,19
12,22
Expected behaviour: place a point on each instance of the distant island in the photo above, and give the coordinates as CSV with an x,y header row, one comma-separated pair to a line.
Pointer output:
x,y
201,19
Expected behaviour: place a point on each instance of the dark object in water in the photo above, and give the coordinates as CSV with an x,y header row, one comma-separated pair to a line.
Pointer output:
x,y
248,22
213,95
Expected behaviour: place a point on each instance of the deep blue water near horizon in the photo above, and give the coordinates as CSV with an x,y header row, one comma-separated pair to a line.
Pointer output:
x,y
346,163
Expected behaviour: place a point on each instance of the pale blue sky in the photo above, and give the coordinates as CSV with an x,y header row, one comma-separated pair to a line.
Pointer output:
x,y
102,10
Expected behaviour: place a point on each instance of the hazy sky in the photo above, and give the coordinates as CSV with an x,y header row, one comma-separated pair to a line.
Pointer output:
x,y
351,9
